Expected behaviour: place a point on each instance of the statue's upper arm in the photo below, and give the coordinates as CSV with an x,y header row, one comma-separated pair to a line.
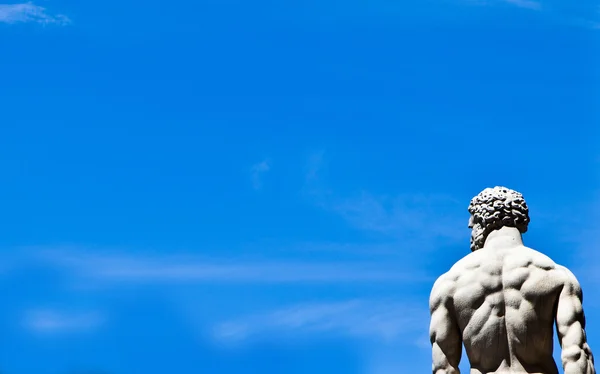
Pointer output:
x,y
570,304
443,331
570,324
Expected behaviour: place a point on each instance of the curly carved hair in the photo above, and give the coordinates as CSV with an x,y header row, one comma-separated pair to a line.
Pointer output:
x,y
498,207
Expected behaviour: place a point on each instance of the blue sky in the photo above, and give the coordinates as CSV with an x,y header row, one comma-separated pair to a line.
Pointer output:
x,y
272,187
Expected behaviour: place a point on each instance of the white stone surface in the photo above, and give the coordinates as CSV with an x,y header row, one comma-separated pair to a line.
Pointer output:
x,y
502,301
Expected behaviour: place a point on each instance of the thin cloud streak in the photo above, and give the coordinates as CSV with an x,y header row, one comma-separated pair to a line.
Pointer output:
x,y
417,221
257,172
362,319
527,4
189,269
581,14
403,216
28,12
48,321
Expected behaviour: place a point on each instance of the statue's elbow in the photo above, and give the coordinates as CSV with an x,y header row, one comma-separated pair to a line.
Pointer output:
x,y
571,353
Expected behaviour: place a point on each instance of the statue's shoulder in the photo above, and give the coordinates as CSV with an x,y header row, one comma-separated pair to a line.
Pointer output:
x,y
442,280
471,261
560,273
541,260
445,284
568,278
441,292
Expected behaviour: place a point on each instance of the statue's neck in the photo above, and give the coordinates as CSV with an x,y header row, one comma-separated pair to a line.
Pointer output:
x,y
503,238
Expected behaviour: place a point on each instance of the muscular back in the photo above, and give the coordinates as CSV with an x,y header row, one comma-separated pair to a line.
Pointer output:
x,y
503,304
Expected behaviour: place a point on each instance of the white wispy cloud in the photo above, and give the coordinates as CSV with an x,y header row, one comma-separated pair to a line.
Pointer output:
x,y
314,166
142,269
404,215
387,360
49,321
581,14
29,12
257,171
527,4
414,220
365,319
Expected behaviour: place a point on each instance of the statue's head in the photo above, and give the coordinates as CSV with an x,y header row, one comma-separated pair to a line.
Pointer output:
x,y
494,208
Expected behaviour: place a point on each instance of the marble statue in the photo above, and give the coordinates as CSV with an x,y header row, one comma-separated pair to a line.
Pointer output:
x,y
502,300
